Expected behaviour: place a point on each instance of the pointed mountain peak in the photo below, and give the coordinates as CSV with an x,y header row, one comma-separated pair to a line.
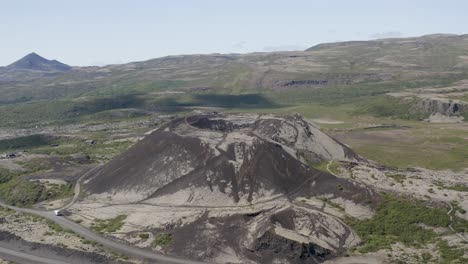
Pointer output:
x,y
34,61
33,55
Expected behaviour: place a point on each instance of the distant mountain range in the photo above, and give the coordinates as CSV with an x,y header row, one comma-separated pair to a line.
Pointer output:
x,y
330,73
35,62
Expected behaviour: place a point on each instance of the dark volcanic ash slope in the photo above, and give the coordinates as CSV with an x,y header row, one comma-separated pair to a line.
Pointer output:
x,y
237,185
228,159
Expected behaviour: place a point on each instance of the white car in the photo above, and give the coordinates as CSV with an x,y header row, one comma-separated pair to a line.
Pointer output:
x,y
57,212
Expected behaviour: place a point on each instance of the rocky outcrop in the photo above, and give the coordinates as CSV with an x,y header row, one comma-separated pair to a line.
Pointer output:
x,y
434,107
442,106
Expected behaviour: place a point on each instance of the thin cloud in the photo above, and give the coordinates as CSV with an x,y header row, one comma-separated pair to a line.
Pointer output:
x,y
389,34
241,45
284,48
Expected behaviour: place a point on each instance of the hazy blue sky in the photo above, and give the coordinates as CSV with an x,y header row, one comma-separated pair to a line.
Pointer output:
x,y
97,32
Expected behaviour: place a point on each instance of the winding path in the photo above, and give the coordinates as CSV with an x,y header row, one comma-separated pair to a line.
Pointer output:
x,y
328,168
449,213
113,245
77,188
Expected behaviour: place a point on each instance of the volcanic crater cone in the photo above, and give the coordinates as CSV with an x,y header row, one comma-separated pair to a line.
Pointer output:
x,y
239,184
233,159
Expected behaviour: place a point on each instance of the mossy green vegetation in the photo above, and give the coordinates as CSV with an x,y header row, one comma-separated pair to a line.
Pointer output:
x,y
5,175
16,190
417,145
89,242
162,240
21,192
410,222
456,187
109,225
36,164
324,166
58,191
458,208
57,228
399,220
100,150
386,106
402,155
450,254
400,178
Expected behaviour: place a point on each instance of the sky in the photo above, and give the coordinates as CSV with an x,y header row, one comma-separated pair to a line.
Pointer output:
x,y
100,32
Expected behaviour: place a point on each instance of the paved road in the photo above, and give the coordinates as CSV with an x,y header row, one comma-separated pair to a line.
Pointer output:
x,y
106,242
115,246
20,257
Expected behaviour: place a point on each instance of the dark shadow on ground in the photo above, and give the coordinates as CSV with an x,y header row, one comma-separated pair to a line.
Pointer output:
x,y
167,105
176,104
234,101
69,111
25,142
102,104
